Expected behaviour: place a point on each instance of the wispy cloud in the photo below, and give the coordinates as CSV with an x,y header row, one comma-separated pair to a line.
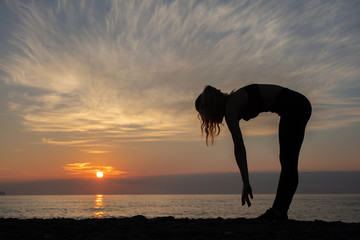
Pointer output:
x,y
95,151
51,141
89,169
130,71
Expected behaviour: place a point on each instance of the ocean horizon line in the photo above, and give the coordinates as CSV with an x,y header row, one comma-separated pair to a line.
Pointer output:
x,y
207,183
174,194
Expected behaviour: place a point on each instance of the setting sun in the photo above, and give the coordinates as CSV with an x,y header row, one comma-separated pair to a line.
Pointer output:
x,y
99,174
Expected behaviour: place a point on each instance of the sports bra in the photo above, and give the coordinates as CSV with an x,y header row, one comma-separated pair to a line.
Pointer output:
x,y
255,103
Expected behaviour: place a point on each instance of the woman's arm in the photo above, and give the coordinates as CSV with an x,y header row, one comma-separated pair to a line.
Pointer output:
x,y
239,150
240,156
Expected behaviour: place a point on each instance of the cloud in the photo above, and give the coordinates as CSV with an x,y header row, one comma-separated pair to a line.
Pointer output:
x,y
130,71
95,151
89,169
50,141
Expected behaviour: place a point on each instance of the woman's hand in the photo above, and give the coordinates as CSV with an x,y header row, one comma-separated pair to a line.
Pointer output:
x,y
246,192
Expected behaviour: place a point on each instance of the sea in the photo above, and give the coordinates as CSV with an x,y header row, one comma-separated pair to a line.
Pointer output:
x,y
305,207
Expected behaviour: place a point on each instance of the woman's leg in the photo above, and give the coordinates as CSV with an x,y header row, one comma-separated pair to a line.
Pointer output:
x,y
291,136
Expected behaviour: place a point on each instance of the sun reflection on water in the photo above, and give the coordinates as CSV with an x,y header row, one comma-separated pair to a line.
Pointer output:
x,y
99,206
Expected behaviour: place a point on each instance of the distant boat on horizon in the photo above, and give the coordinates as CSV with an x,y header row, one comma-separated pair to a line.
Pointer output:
x,y
2,193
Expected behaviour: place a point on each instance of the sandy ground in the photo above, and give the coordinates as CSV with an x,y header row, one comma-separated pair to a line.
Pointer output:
x,y
139,227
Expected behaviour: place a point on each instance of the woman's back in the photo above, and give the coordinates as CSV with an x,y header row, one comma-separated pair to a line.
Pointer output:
x,y
269,93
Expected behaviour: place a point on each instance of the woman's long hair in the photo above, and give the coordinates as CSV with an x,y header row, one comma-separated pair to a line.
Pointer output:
x,y
211,107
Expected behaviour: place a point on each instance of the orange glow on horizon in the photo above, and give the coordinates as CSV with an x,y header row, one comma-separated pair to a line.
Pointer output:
x,y
87,169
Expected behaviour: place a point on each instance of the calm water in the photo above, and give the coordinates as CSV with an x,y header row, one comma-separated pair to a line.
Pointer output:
x,y
344,208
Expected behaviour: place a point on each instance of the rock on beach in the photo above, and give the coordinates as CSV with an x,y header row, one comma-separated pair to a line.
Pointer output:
x,y
140,227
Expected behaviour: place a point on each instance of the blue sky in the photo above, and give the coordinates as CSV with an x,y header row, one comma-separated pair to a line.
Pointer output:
x,y
112,83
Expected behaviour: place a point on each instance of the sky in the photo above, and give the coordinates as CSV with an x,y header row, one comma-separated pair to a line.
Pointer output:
x,y
109,86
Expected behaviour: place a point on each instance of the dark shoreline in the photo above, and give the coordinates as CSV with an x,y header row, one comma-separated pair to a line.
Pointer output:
x,y
139,227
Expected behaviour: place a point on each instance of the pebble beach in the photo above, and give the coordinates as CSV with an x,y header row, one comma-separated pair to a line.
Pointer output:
x,y
140,227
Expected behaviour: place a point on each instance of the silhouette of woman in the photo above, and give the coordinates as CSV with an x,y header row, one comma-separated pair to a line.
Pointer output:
x,y
246,103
